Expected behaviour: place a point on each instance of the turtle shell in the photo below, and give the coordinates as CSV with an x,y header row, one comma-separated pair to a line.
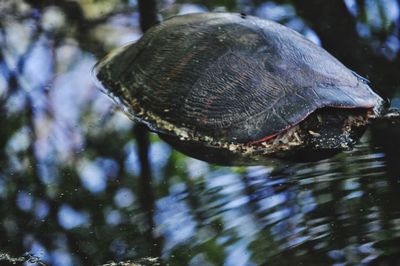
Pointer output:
x,y
227,77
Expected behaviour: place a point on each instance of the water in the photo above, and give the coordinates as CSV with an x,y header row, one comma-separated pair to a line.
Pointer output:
x,y
324,213
71,191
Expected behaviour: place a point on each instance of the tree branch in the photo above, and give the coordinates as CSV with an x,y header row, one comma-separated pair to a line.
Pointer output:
x,y
148,18
148,14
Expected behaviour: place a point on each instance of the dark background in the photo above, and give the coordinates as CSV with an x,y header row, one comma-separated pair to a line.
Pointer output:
x,y
81,185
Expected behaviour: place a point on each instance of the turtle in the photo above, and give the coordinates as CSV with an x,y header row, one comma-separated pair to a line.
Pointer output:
x,y
231,88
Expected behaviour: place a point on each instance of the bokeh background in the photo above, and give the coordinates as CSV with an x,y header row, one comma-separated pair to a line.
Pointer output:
x,y
76,188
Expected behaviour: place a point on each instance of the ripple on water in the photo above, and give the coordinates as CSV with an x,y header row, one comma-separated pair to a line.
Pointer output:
x,y
337,210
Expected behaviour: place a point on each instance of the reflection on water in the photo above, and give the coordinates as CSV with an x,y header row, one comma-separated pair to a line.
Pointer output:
x,y
70,186
336,211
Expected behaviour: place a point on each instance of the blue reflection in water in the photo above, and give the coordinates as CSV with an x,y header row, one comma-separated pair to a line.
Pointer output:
x,y
159,155
18,142
41,209
3,189
70,218
113,217
191,8
196,168
24,200
47,173
238,254
124,197
39,251
274,11
131,163
109,167
374,9
61,257
38,69
92,176
119,247
351,6
173,215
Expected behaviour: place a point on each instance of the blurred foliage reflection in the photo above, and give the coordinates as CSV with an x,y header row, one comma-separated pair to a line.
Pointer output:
x,y
70,185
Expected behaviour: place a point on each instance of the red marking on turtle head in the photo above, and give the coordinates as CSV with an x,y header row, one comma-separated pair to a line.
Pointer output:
x,y
266,138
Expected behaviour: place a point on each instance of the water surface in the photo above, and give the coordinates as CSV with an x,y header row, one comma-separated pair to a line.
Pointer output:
x,y
71,185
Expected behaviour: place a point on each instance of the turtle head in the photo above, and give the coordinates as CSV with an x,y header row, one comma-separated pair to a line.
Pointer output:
x,y
334,128
329,131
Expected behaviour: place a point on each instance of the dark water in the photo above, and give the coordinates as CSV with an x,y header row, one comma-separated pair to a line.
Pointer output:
x,y
72,190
